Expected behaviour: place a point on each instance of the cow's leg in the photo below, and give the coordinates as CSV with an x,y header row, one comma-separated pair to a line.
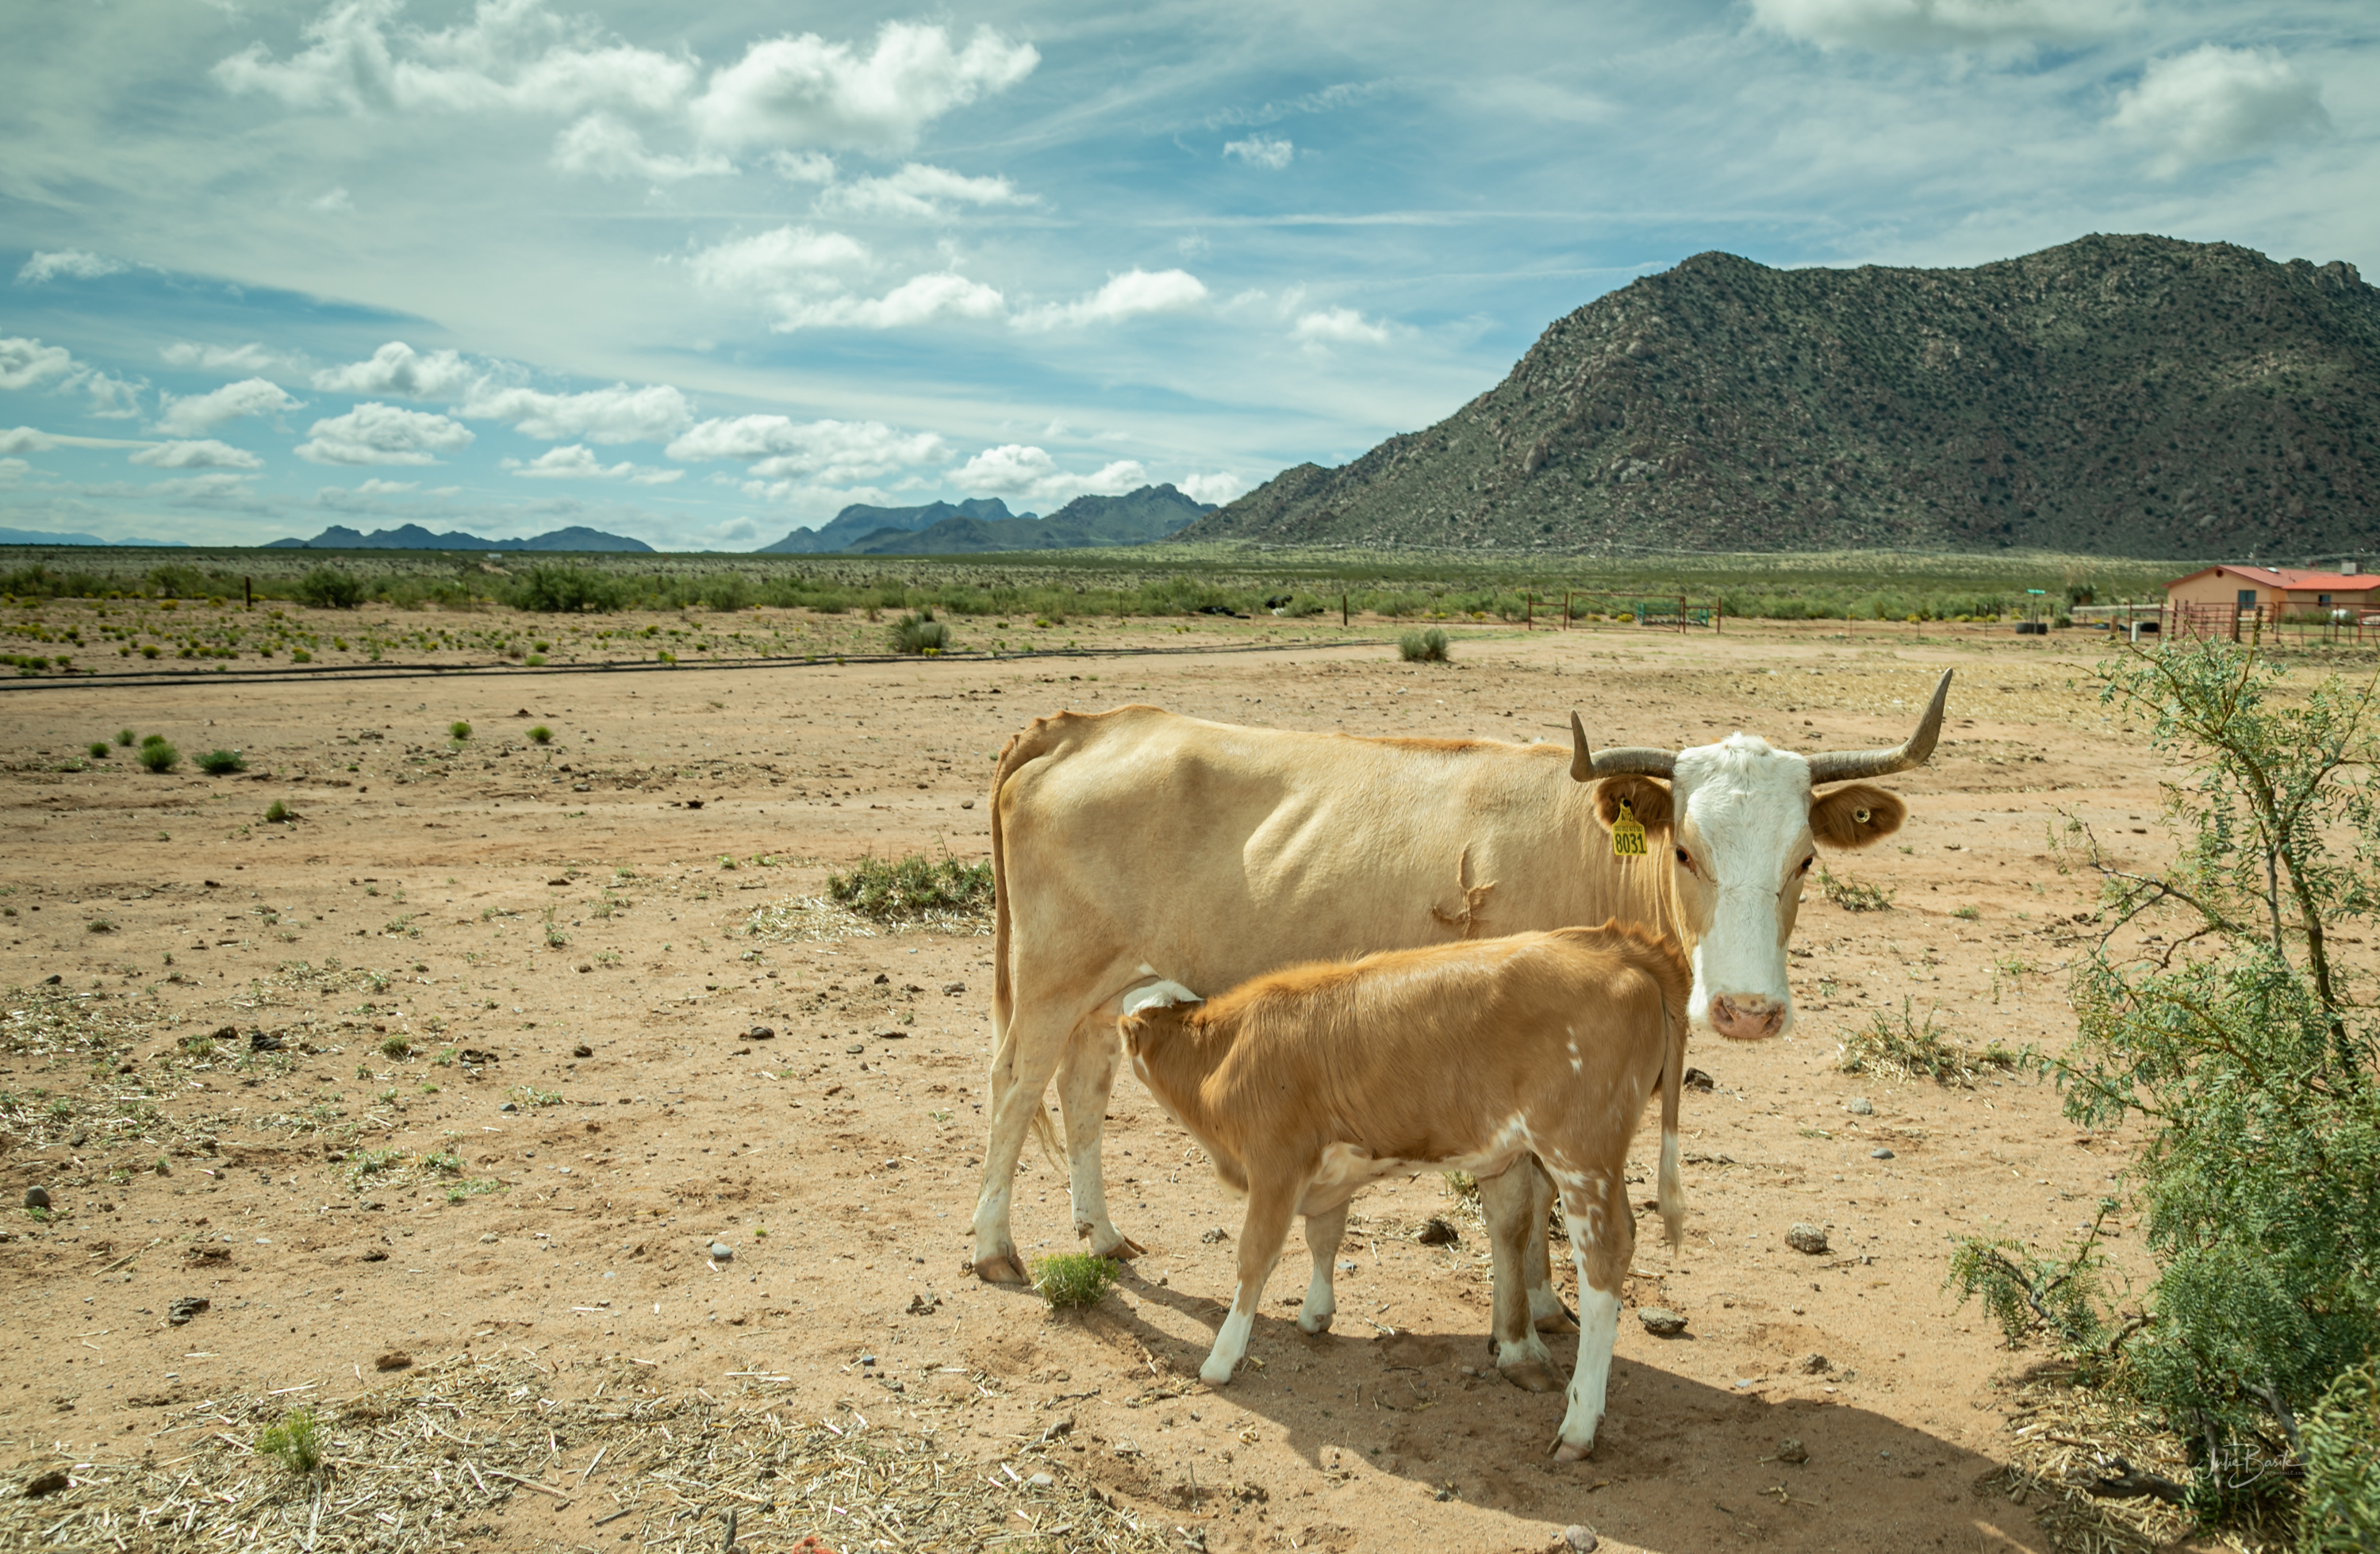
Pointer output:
x,y
1271,1206
1547,1312
1602,1239
1508,1201
1026,1057
1323,1232
1086,1078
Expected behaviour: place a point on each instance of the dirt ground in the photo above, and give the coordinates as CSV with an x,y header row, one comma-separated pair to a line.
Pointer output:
x,y
514,1095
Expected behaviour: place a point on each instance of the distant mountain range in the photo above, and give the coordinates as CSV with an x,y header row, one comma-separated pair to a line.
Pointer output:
x,y
43,537
984,524
2117,395
413,536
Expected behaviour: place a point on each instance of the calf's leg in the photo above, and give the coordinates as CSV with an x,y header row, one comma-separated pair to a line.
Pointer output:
x,y
1323,1232
1509,1203
1602,1239
1271,1206
1547,1312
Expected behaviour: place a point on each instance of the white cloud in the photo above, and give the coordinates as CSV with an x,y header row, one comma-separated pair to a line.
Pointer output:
x,y
918,191
781,260
578,462
205,454
249,358
1130,295
74,262
916,300
13,470
803,167
511,54
1262,151
1937,24
186,416
376,433
377,487
27,362
805,91
202,488
31,440
2214,103
834,452
1012,469
801,275
1339,327
331,202
619,414
1212,488
605,148
397,367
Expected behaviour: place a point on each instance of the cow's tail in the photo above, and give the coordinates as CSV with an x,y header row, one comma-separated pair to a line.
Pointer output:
x,y
1020,748
1673,1196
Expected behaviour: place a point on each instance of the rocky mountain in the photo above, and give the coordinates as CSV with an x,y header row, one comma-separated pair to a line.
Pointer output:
x,y
413,536
2118,395
1134,518
46,537
861,523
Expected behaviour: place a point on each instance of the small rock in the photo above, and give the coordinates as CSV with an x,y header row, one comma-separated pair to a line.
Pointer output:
x,y
37,1197
953,986
1217,1234
582,1050
722,1253
1577,1538
1791,1451
882,980
258,1041
226,1033
1695,1079
585,966
508,1106
182,1310
1661,1322
761,1033
395,1359
489,1238
1860,1106
966,804
1436,1231
1879,1153
1814,1364
1806,1237
1043,1480
48,1482
562,880
924,1303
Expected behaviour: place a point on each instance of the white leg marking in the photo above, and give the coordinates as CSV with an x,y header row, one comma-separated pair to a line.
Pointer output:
x,y
1232,1342
1598,1329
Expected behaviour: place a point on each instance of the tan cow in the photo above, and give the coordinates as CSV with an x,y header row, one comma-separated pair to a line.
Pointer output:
x,y
1309,1083
1136,838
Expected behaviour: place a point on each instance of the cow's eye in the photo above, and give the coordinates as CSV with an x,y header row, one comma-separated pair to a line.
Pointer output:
x,y
1806,863
1685,860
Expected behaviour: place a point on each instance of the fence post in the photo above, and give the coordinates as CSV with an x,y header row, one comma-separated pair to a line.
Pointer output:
x,y
1718,614
1343,606
1565,626
247,592
1528,611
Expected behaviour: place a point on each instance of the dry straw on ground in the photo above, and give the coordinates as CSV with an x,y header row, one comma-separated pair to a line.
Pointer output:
x,y
808,919
433,1464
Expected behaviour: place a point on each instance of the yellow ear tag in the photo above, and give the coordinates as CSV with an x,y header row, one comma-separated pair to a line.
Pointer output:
x,y
1627,835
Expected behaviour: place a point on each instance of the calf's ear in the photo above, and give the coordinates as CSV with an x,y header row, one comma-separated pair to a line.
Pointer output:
x,y
1647,799
1856,816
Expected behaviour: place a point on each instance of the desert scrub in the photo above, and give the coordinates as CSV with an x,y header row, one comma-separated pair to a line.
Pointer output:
x,y
542,735
920,633
98,749
396,1047
1853,895
895,889
1423,647
1901,1048
1073,1281
297,1440
157,753
458,731
222,763
277,813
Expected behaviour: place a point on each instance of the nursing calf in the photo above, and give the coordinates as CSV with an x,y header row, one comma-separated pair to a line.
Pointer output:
x,y
1309,1083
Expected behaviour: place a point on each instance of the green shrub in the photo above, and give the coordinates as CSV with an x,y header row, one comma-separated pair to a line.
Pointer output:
x,y
222,763
158,754
891,889
458,731
1422,646
920,633
396,1047
2342,1465
1073,1281
124,737
542,735
277,813
1853,895
297,1440
1903,1049
99,749
329,587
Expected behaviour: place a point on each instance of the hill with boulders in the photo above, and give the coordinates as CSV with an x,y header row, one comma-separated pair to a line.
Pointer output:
x,y
2117,395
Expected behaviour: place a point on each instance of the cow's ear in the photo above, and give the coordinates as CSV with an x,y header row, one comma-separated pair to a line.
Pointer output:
x,y
1647,799
1856,816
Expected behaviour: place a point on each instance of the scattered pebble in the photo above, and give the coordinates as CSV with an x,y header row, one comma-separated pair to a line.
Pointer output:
x,y
1860,1106
1661,1322
185,1308
924,1303
722,1253
582,1050
395,1359
37,1197
1805,1237
508,1106
1043,1480
953,986
761,1033
1436,1231
258,1041
1791,1451
1879,1153
1695,1079
1578,1539
1217,1234
1814,1364
489,1238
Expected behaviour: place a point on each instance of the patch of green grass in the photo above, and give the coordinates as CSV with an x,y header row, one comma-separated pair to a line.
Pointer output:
x,y
297,1441
222,763
124,737
1423,647
458,731
1073,1281
98,749
396,1047
1901,1048
277,813
1971,913
158,754
542,735
918,632
891,889
1853,895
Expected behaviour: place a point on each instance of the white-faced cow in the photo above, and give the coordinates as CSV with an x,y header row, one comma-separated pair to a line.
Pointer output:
x,y
1137,838
1309,1083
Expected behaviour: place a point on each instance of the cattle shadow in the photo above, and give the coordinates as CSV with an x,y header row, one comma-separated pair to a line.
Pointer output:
x,y
1679,1464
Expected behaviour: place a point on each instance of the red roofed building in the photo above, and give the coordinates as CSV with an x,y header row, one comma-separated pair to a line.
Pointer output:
x,y
2282,591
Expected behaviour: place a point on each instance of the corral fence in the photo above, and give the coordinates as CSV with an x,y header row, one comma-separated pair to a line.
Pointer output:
x,y
2331,625
1662,612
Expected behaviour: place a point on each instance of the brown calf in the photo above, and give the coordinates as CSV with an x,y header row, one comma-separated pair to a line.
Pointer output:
x,y
1308,1083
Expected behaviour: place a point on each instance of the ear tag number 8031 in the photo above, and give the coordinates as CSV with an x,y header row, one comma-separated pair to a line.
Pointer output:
x,y
1627,835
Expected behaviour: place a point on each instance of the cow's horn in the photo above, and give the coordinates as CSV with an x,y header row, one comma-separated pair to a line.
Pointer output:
x,y
1586,766
1842,766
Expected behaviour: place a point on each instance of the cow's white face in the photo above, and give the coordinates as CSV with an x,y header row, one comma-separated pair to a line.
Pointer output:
x,y
1737,827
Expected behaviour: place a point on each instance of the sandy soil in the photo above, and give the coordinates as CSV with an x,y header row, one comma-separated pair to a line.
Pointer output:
x,y
557,933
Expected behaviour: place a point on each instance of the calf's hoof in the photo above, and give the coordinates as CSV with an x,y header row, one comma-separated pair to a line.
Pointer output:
x,y
1215,1373
1003,1267
1565,1452
1558,1320
1531,1375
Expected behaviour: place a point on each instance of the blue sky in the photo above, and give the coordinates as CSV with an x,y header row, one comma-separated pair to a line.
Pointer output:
x,y
701,276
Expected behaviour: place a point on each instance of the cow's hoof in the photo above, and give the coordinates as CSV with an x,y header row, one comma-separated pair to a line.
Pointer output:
x,y
1123,1251
1565,1452
1314,1327
1215,1375
1005,1267
1531,1375
1558,1320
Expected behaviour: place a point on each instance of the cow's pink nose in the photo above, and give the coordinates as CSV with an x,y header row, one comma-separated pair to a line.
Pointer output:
x,y
1747,1016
